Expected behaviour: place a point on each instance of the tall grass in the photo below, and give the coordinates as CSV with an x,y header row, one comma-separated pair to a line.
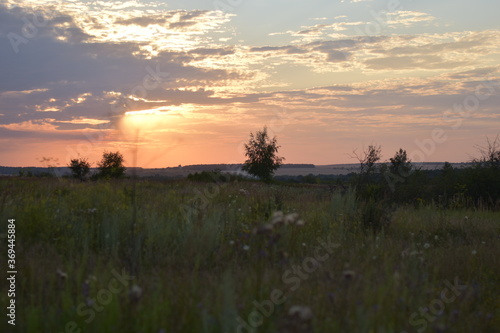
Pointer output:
x,y
202,271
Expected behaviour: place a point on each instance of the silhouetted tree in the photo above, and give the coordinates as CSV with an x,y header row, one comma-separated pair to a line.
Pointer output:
x,y
79,167
366,182
262,154
368,158
111,165
400,163
490,154
482,181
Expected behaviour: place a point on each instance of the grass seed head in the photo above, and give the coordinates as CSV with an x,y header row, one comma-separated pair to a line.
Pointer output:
x,y
62,275
265,229
303,313
135,293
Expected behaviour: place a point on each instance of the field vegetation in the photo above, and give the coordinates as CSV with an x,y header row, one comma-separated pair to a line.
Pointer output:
x,y
232,255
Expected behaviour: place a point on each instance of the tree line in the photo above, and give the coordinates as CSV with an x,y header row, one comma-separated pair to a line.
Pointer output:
x,y
397,180
110,166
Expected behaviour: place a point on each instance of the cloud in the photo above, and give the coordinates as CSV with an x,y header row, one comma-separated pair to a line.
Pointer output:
x,y
438,52
212,51
435,52
412,62
89,64
341,27
175,19
68,73
407,19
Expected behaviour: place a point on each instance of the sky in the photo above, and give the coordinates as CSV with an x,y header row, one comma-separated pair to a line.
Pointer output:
x,y
176,82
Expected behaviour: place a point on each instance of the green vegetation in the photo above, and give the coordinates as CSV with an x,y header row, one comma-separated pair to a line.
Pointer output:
x,y
215,177
111,166
80,168
262,156
345,263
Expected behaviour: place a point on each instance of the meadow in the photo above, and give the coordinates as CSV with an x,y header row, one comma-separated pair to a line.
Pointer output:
x,y
184,256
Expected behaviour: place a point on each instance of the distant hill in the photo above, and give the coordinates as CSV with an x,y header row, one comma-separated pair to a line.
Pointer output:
x,y
33,171
183,171
222,167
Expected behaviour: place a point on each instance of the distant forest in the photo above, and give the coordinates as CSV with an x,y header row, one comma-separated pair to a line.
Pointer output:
x,y
61,171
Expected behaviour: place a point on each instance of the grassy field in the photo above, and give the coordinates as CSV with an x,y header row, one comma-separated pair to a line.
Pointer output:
x,y
154,257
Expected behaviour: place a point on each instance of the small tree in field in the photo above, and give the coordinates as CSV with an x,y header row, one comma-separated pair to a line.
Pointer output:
x,y
368,158
490,154
79,167
262,155
400,163
366,185
111,165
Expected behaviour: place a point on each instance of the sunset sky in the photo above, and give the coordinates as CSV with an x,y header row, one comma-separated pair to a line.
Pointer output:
x,y
186,81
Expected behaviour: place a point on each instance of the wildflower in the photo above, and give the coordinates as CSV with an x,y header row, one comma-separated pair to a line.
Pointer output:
x,y
246,247
277,218
300,223
299,320
135,293
61,274
303,313
427,245
291,218
265,229
278,214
